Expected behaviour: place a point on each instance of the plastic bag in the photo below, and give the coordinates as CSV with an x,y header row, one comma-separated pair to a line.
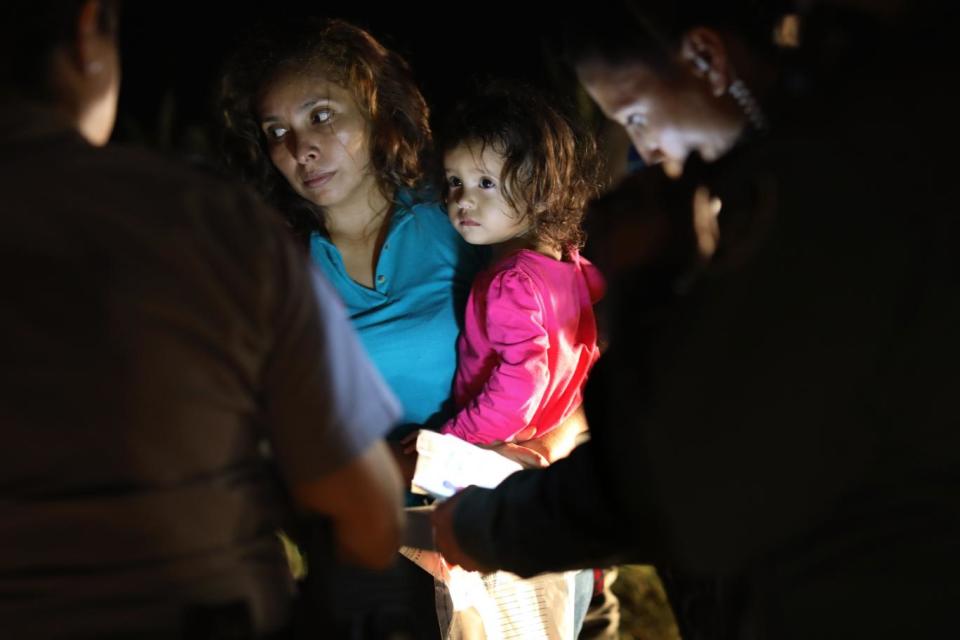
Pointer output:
x,y
499,605
471,605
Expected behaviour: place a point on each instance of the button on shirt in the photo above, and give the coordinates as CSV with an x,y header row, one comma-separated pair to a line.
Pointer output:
x,y
409,321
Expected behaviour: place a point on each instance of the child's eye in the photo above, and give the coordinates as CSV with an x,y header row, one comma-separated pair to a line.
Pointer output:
x,y
454,182
487,183
321,116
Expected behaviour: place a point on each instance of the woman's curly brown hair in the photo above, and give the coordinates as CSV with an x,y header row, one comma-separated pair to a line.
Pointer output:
x,y
551,167
379,79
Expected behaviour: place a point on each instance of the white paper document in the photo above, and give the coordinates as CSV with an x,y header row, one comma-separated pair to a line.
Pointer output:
x,y
446,464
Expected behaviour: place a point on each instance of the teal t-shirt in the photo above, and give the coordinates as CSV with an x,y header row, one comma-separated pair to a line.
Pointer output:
x,y
410,320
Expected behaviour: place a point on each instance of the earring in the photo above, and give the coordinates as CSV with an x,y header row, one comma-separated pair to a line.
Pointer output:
x,y
751,108
702,65
738,90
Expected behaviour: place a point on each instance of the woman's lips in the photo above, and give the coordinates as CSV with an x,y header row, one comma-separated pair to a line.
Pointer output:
x,y
317,180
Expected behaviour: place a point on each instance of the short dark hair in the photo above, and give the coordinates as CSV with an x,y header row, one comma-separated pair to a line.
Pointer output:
x,y
650,32
30,31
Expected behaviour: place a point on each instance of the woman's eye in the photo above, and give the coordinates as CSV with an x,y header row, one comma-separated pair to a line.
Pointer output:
x,y
453,182
636,120
322,116
487,183
276,133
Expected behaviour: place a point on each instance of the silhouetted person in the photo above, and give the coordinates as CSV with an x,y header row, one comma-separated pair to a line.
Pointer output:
x,y
776,412
175,380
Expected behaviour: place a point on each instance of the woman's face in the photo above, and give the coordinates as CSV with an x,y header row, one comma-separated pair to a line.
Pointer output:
x,y
318,138
666,118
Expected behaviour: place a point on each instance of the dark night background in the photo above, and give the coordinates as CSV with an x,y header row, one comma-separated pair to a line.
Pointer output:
x,y
173,53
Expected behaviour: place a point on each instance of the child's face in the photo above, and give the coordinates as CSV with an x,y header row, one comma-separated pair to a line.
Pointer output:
x,y
475,201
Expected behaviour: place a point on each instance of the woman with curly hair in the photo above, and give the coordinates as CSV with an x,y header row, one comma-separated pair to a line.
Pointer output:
x,y
330,127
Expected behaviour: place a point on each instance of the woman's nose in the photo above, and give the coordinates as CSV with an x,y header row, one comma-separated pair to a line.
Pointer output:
x,y
306,149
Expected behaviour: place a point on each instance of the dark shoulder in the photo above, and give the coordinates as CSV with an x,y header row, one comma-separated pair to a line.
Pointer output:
x,y
168,191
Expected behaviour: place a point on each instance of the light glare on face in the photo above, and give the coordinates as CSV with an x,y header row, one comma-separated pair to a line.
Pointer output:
x,y
667,119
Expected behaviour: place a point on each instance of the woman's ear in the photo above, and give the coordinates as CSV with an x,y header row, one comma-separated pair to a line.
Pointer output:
x,y
703,51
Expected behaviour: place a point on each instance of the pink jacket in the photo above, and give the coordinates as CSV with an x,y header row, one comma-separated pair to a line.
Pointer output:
x,y
528,342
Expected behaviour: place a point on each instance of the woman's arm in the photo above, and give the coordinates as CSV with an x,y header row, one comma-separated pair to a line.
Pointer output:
x,y
560,441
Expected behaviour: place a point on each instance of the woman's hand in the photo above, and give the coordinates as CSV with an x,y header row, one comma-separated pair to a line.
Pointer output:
x,y
526,456
409,442
560,441
405,457
537,452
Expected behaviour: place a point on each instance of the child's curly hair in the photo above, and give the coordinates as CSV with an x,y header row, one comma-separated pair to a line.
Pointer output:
x,y
551,167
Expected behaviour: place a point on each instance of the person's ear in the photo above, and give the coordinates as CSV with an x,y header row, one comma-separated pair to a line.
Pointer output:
x,y
94,46
703,51
88,69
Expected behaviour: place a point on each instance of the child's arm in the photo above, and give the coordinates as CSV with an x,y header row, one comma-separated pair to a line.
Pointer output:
x,y
510,398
